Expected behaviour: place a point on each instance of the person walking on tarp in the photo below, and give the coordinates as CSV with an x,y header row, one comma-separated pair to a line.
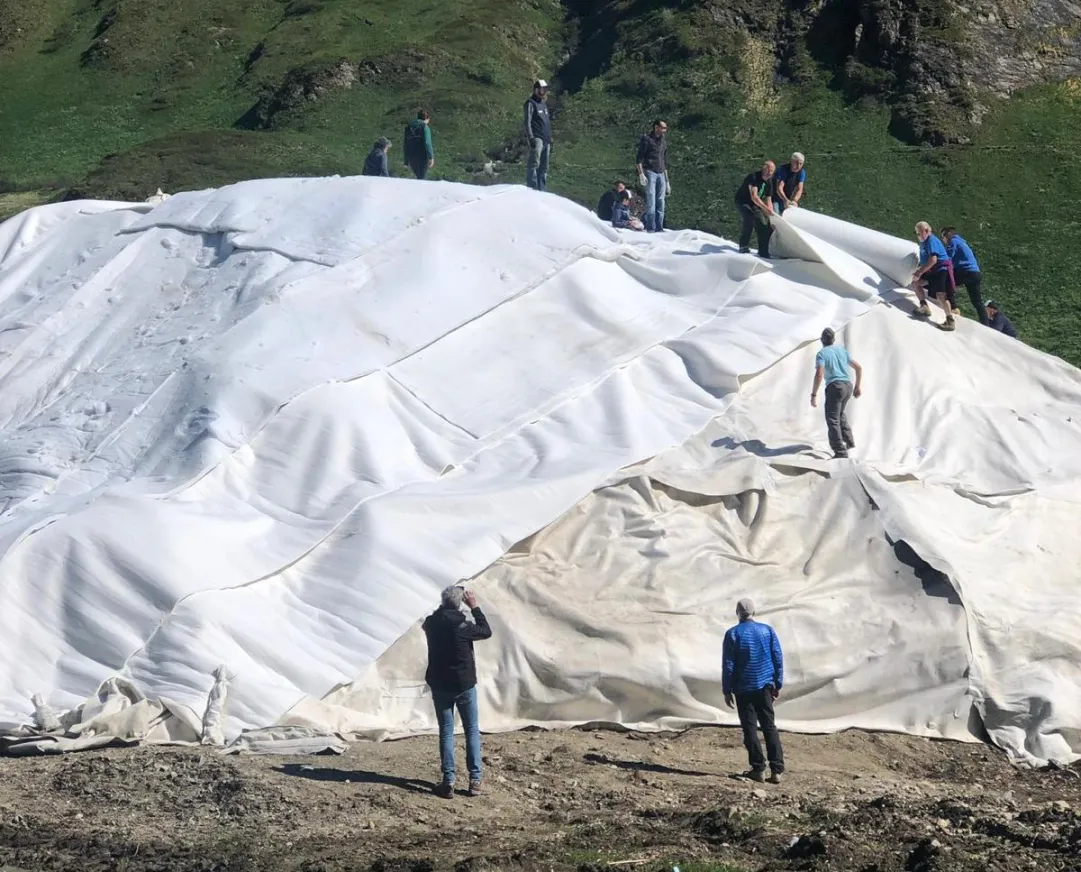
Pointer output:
x,y
652,165
832,364
375,164
788,183
966,270
538,134
755,208
621,213
932,276
998,321
753,674
452,676
609,199
417,145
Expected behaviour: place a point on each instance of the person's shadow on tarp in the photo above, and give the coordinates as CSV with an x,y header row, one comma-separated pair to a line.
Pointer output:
x,y
759,448
355,776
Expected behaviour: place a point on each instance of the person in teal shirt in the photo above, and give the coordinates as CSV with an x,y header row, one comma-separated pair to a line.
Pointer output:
x,y
419,154
832,364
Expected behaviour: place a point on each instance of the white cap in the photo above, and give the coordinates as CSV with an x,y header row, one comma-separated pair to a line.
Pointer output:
x,y
540,83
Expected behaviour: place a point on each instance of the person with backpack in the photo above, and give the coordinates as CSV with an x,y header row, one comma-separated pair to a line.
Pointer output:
x,y
538,134
651,161
375,164
417,145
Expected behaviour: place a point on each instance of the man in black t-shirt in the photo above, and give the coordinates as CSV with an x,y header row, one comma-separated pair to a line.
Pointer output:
x,y
755,209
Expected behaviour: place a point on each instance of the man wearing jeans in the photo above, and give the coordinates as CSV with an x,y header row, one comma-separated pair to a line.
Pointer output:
x,y
752,677
832,364
538,134
652,165
452,676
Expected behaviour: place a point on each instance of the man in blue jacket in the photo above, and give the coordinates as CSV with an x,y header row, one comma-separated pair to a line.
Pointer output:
x,y
752,677
998,321
966,270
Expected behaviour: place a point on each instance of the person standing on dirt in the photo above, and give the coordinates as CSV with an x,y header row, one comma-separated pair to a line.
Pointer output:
x,y
538,134
932,276
966,269
752,677
375,164
832,364
452,676
651,161
417,145
755,208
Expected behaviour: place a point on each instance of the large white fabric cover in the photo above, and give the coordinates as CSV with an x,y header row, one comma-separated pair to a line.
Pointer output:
x,y
262,427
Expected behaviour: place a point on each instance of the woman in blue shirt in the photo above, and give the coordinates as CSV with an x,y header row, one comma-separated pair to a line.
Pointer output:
x,y
932,276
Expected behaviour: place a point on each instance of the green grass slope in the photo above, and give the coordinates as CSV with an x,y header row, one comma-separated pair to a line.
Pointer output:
x,y
115,98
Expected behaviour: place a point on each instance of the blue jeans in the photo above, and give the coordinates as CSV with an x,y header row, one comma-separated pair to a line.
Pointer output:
x,y
778,207
466,703
654,217
536,168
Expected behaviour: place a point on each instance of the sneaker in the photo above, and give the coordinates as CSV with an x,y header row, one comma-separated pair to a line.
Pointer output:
x,y
758,775
950,324
840,455
924,310
474,788
744,250
775,777
444,790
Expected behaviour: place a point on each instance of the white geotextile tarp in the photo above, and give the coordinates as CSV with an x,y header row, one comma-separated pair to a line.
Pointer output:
x,y
262,427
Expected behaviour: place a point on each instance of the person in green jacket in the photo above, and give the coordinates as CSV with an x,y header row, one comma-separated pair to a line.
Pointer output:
x,y
419,154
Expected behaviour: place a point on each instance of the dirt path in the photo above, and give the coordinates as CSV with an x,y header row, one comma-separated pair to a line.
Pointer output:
x,y
553,801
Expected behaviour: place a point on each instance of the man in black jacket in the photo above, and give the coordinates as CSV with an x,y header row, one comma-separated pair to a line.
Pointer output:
x,y
651,161
452,676
538,133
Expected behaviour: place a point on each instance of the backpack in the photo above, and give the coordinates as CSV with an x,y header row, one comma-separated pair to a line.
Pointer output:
x,y
413,140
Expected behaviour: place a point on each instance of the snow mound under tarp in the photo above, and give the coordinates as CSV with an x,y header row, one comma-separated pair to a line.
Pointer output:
x,y
257,429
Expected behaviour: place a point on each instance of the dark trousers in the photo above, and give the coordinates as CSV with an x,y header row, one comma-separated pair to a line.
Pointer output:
x,y
419,166
753,220
973,282
756,710
837,396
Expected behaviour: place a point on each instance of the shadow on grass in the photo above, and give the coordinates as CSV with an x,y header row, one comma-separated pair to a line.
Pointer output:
x,y
355,776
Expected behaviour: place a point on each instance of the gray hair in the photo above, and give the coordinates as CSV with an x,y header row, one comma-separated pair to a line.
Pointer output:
x,y
798,155
452,596
745,608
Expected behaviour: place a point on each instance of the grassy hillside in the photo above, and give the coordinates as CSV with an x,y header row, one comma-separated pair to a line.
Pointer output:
x,y
115,98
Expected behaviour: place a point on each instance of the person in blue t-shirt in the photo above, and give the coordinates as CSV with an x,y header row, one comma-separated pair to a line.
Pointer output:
x,y
932,276
997,321
832,364
788,183
966,270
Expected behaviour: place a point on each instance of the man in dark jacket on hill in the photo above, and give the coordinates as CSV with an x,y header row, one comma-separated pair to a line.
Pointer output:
x,y
417,145
375,164
538,134
651,161
452,676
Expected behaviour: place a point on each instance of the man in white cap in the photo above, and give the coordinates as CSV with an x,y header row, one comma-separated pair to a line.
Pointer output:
x,y
752,677
538,134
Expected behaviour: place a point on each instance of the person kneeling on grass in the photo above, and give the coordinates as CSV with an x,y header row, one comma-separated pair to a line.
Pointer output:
x,y
621,213
452,676
932,276
752,675
832,364
997,321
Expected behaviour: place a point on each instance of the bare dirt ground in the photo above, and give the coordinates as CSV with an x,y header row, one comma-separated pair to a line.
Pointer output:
x,y
553,801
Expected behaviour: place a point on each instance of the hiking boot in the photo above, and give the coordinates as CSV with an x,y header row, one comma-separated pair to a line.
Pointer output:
x,y
924,310
474,788
850,444
775,777
840,455
743,249
950,324
444,790
758,775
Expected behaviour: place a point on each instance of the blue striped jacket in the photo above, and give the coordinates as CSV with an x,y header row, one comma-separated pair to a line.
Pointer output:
x,y
752,658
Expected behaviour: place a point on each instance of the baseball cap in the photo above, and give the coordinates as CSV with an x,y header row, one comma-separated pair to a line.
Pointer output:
x,y
540,83
991,303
